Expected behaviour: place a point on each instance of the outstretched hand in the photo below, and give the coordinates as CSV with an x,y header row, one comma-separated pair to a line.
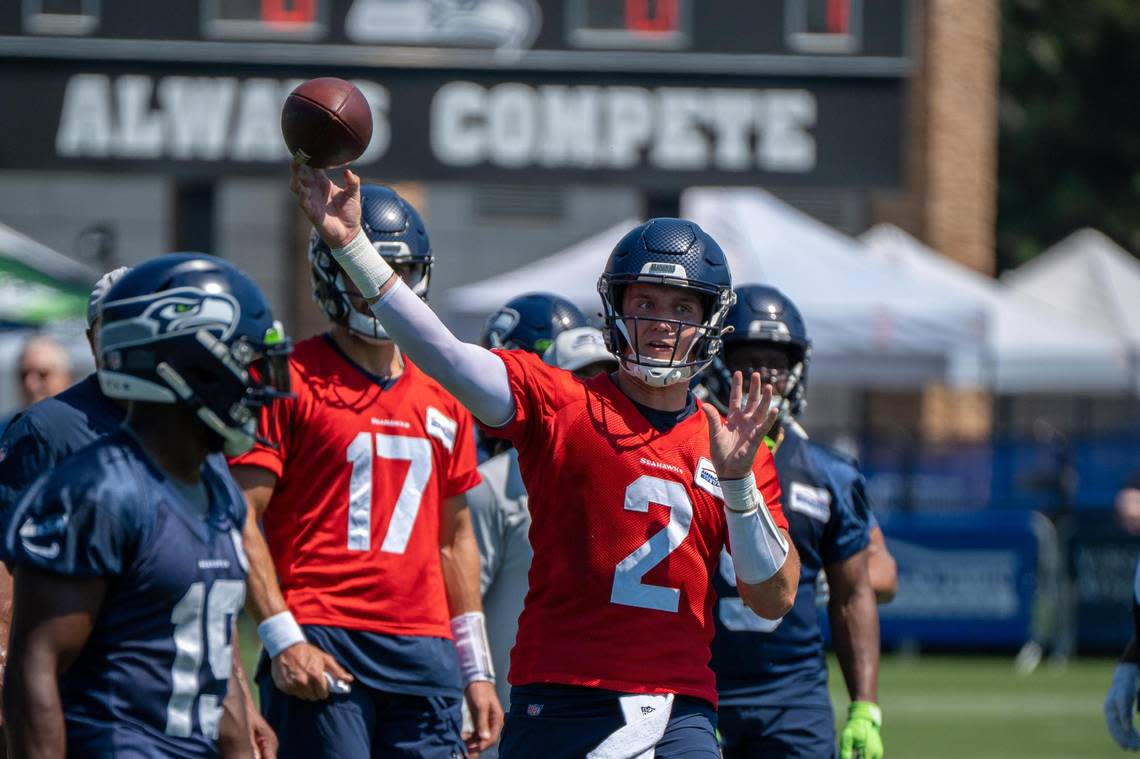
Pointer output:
x,y
333,211
733,442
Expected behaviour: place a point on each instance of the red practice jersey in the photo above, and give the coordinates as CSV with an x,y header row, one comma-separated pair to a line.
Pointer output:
x,y
627,527
354,521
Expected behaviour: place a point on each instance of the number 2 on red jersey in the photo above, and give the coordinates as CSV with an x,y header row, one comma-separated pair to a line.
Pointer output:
x,y
628,588
360,454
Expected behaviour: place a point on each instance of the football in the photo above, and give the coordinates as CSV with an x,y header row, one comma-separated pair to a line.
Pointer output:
x,y
326,123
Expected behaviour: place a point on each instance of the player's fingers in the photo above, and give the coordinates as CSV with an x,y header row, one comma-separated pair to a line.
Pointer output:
x,y
712,416
769,420
482,720
846,745
332,666
266,745
735,391
497,720
351,182
318,687
759,396
754,394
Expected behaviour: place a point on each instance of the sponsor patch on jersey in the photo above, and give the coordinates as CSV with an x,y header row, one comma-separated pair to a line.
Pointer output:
x,y
533,710
441,427
705,478
812,501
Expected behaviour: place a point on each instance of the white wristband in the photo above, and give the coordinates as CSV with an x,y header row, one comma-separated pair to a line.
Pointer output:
x,y
473,648
363,264
758,547
741,495
279,632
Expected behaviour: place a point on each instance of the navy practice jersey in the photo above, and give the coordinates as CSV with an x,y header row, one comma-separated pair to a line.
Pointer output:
x,y
45,433
781,663
151,678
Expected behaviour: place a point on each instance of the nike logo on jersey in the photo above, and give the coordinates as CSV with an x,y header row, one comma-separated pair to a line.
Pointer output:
x,y
32,535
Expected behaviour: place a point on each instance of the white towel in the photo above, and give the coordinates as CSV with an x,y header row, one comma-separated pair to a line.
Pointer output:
x,y
646,718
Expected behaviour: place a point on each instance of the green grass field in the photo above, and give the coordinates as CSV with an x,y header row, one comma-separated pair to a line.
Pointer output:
x,y
966,707
950,707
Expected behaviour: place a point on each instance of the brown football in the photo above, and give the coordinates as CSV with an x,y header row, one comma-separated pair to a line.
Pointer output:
x,y
326,123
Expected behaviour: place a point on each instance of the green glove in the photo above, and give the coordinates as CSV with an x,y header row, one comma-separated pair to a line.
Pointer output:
x,y
860,737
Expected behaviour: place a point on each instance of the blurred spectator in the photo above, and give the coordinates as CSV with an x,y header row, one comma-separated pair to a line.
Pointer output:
x,y
44,368
1128,506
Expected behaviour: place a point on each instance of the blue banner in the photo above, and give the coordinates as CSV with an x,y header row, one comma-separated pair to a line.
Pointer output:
x,y
965,580
1103,560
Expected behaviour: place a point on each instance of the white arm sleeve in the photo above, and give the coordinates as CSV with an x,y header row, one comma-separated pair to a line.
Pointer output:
x,y
474,375
758,546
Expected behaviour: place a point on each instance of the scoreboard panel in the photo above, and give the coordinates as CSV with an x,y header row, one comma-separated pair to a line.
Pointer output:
x,y
808,37
629,23
655,93
264,19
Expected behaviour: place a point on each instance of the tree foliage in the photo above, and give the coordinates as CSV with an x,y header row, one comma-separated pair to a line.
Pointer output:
x,y
1069,135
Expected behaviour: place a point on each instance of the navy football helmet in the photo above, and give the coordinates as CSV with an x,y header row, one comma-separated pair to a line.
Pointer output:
x,y
675,253
397,232
763,317
191,328
531,322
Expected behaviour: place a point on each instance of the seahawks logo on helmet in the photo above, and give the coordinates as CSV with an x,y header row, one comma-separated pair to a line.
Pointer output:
x,y
176,312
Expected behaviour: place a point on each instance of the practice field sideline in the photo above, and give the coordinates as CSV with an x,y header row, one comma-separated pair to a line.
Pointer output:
x,y
954,707
946,707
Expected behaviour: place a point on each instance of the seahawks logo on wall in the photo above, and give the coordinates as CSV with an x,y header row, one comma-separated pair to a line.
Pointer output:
x,y
505,25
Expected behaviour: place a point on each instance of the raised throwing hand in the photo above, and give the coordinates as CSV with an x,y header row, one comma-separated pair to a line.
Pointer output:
x,y
734,441
332,210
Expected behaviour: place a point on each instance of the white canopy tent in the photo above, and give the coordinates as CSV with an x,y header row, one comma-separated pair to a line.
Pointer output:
x,y
1089,278
571,273
1029,348
870,324
20,248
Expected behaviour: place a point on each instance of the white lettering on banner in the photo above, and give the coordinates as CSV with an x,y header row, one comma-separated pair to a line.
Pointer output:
x,y
949,583
514,125
189,118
